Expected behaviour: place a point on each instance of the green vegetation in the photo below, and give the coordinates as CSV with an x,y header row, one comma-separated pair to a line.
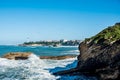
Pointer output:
x,y
107,36
44,43
54,43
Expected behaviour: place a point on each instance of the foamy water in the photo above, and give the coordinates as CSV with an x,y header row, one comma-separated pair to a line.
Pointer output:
x,y
31,69
36,69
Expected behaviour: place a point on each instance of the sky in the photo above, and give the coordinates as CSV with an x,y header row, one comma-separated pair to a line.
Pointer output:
x,y
36,20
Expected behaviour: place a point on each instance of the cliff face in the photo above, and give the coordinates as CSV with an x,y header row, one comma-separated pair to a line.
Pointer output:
x,y
100,54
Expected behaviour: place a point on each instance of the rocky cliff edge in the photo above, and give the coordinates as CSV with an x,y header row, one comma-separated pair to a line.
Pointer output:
x,y
99,55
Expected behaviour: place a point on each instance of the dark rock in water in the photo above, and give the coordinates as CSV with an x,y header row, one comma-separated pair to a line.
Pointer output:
x,y
21,58
100,55
66,72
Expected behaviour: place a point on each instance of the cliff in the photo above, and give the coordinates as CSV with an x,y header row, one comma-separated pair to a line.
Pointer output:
x,y
99,55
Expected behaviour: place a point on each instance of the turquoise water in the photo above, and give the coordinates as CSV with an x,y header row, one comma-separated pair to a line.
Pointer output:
x,y
35,68
41,50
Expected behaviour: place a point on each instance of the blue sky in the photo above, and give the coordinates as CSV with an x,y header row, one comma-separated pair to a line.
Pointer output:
x,y
55,19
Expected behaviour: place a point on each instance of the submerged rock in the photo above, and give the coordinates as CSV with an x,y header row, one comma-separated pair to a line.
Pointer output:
x,y
100,55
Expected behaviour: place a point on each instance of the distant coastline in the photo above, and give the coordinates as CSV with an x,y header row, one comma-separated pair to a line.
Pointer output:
x,y
52,43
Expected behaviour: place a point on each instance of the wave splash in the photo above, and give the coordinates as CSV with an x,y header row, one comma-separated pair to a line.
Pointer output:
x,y
31,69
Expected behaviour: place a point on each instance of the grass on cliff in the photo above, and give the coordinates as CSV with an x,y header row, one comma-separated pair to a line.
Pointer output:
x,y
107,36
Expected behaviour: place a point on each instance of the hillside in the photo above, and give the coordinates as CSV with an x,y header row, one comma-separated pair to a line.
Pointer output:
x,y
107,36
99,55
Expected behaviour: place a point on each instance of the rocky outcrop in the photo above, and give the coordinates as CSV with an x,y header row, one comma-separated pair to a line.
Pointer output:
x,y
100,55
58,57
101,60
17,55
25,55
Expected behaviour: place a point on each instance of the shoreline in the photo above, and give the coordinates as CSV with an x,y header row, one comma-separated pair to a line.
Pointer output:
x,y
45,46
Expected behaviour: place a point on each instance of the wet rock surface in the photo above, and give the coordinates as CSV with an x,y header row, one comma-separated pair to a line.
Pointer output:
x,y
25,55
17,55
99,55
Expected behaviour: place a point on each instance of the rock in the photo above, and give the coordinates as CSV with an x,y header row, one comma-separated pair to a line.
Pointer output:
x,y
70,71
25,55
99,60
58,57
100,55
17,55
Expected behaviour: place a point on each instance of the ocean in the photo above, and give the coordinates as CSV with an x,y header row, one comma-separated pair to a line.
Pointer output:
x,y
41,50
38,69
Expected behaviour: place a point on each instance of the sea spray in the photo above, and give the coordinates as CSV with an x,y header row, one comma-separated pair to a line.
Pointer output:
x,y
31,69
37,69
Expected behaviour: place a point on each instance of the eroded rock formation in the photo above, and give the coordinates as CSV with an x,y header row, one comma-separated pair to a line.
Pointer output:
x,y
17,55
100,55
25,55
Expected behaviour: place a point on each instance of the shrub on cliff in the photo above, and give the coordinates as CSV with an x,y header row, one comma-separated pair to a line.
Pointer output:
x,y
107,36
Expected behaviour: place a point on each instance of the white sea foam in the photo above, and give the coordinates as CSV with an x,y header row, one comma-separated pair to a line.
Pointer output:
x,y
68,46
36,69
31,69
73,51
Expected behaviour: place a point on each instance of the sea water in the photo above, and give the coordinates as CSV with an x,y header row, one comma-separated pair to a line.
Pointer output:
x,y
41,50
38,69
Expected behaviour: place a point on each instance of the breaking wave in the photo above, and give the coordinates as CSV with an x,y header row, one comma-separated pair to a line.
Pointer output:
x,y
31,69
37,69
